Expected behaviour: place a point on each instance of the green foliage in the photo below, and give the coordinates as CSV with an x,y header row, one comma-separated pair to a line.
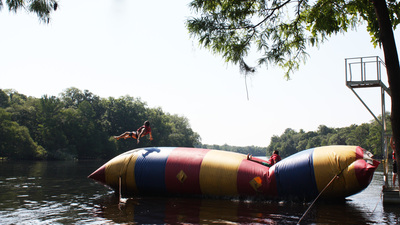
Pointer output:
x,y
280,30
3,99
253,150
42,8
366,135
81,125
15,141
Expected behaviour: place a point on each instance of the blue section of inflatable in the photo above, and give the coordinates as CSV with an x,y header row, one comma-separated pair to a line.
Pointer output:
x,y
150,170
298,170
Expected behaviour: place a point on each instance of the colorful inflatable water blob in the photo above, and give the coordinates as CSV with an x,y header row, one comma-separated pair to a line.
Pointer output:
x,y
336,171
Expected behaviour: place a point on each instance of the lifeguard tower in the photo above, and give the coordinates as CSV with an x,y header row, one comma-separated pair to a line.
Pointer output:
x,y
365,72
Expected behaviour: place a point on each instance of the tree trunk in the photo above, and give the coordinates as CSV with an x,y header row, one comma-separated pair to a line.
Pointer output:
x,y
392,68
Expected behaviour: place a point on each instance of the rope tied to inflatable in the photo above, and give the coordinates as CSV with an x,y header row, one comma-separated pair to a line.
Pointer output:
x,y
367,156
330,182
123,169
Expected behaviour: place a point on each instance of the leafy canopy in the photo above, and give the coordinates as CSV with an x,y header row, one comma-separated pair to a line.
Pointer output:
x,y
279,29
42,8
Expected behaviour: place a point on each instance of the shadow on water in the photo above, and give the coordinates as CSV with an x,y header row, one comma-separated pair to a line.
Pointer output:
x,y
392,214
59,192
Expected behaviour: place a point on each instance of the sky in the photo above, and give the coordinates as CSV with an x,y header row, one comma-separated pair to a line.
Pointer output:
x,y
142,49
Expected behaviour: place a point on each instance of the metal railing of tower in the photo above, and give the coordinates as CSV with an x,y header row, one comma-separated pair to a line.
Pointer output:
x,y
365,72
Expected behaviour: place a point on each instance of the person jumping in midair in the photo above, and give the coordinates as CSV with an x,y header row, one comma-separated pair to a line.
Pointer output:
x,y
140,132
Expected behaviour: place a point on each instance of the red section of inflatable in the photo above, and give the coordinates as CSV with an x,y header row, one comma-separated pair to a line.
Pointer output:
x,y
271,187
359,152
183,169
251,177
99,175
364,172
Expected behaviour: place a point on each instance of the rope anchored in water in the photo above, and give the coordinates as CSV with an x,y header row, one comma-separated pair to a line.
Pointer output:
x,y
330,182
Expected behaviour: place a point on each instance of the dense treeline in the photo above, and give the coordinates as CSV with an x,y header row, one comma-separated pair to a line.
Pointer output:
x,y
253,150
81,125
366,135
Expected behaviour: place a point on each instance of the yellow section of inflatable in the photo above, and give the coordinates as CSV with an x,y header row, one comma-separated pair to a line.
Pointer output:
x,y
218,173
330,161
122,166
348,181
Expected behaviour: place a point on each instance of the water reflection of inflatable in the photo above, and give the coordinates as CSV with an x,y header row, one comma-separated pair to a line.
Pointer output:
x,y
173,210
340,171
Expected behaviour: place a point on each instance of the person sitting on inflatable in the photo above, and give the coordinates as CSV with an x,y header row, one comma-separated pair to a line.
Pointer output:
x,y
274,158
140,132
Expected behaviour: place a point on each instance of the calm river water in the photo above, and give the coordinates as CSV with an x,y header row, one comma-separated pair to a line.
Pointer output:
x,y
60,193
